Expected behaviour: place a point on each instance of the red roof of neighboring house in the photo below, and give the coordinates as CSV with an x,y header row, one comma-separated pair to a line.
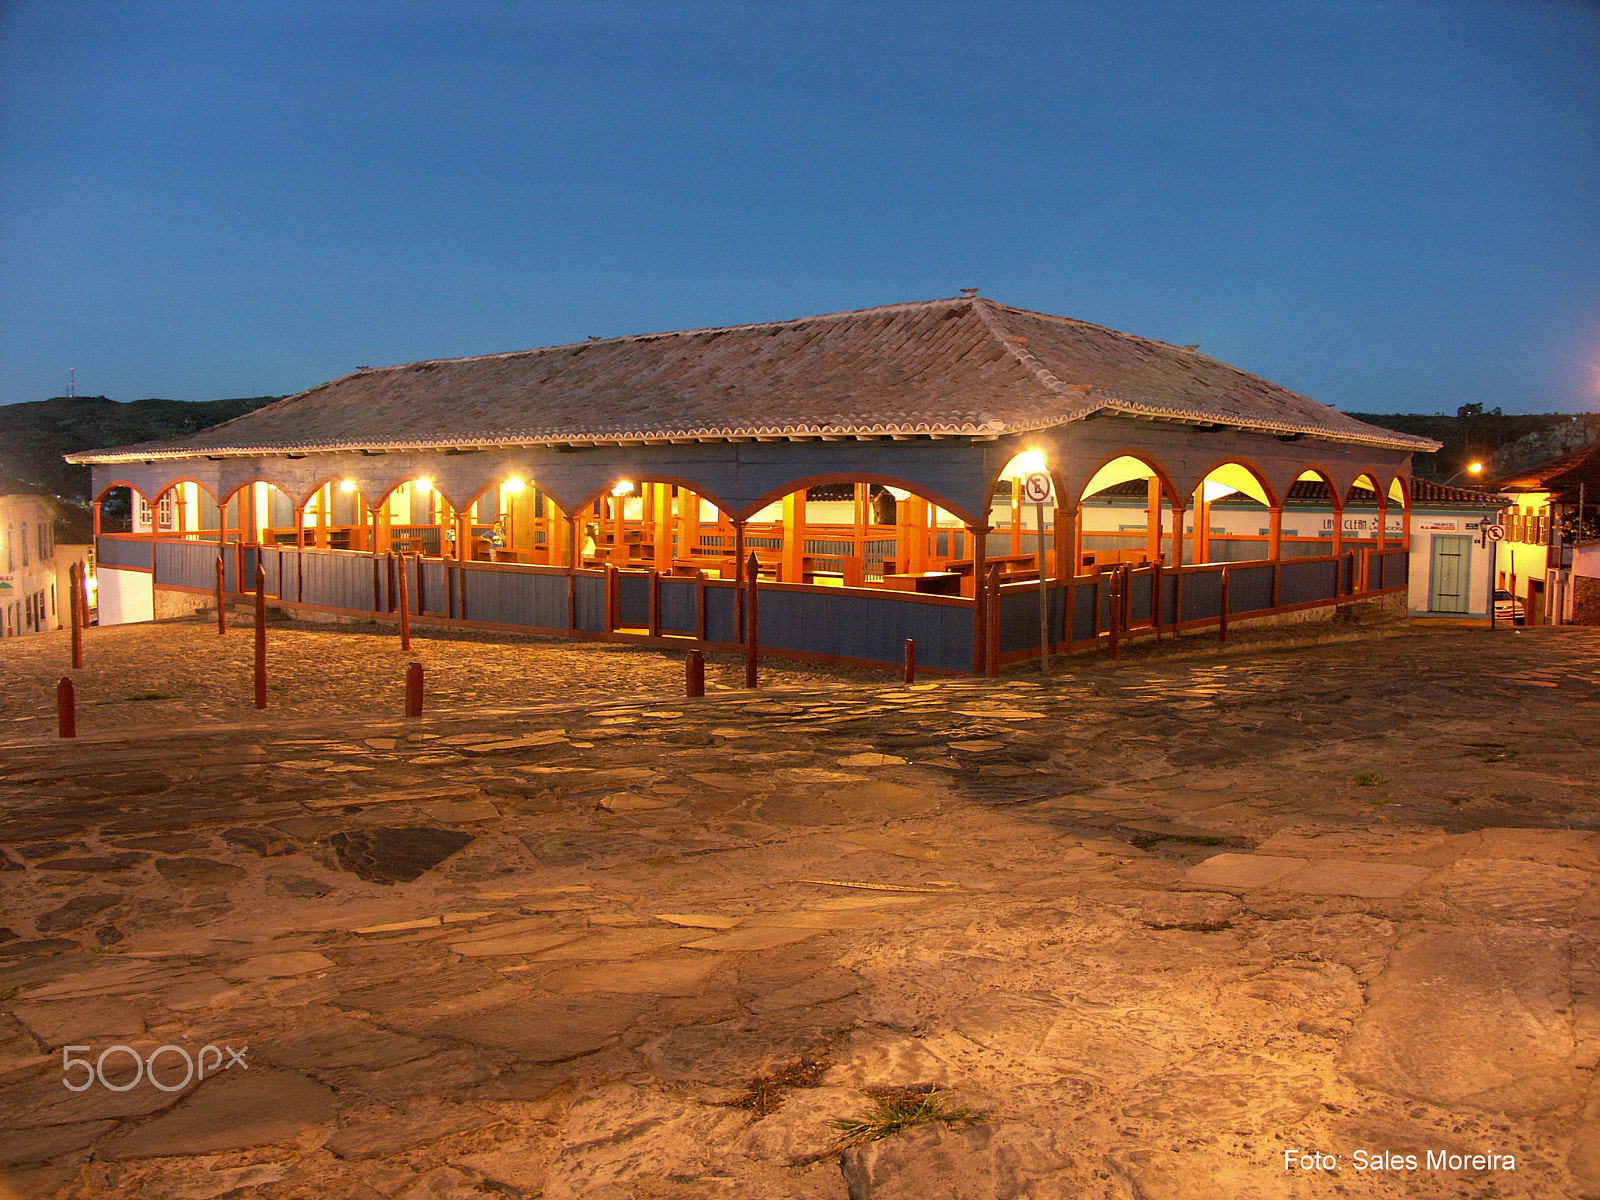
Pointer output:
x,y
1558,474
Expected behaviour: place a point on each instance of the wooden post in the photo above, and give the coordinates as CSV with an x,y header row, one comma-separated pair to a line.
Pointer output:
x,y
1275,533
991,658
1113,612
700,605
612,591
1222,618
863,496
422,603
405,605
1351,556
1177,601
1126,586
74,573
414,690
980,627
738,576
655,603
911,661
66,709
751,625
96,507
794,537
661,537
694,674
1044,575
261,636
1016,518
81,597
1155,597
1153,515
222,611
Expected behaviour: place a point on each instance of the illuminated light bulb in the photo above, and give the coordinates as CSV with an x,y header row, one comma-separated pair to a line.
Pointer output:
x,y
1475,468
347,486
515,486
1026,463
423,485
624,488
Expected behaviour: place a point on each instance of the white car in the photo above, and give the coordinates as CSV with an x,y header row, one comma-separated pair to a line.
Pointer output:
x,y
1509,608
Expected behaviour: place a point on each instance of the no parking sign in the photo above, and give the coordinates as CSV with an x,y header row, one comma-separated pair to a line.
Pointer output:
x,y
1036,487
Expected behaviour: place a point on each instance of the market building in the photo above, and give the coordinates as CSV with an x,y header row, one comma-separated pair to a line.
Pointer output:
x,y
871,461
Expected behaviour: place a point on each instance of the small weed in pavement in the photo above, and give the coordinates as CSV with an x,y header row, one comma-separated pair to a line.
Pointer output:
x,y
898,1109
150,696
765,1092
1369,779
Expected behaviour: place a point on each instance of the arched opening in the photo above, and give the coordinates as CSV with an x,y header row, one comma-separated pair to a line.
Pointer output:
x,y
1311,516
858,533
333,516
260,513
184,509
1232,517
1125,515
1024,533
1362,523
118,509
511,520
656,524
1397,522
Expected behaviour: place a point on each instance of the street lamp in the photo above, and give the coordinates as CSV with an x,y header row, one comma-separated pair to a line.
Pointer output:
x,y
1473,468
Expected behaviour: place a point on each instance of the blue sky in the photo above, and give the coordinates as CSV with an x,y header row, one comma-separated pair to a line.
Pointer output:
x,y
1385,206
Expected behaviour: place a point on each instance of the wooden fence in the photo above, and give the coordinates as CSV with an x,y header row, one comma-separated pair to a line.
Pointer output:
x,y
853,625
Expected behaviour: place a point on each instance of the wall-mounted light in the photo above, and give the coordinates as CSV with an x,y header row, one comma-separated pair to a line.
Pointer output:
x,y
624,488
515,486
423,485
347,486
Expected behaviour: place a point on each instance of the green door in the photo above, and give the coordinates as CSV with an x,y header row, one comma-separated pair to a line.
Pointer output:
x,y
1447,582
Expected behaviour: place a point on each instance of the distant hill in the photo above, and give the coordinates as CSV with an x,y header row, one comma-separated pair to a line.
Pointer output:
x,y
37,434
1501,441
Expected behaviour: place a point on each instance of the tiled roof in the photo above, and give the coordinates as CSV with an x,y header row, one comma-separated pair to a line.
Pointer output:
x,y
957,367
1558,474
1425,491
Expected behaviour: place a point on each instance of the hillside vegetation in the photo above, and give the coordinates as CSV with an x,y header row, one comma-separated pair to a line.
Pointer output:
x,y
37,434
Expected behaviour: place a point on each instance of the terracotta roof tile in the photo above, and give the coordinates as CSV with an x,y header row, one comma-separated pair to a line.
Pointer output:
x,y
956,367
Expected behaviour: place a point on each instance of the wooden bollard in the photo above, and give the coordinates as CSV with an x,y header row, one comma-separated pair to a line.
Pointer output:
x,y
414,690
911,660
222,612
1114,605
405,607
66,708
694,674
79,613
1222,617
753,570
261,636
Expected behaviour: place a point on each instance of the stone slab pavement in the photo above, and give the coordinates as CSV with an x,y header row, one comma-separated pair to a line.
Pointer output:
x,y
1163,928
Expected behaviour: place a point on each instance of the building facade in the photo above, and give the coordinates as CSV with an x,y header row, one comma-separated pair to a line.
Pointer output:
x,y
28,583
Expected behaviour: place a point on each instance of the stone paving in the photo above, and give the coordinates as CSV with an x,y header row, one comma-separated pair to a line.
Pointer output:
x,y
1146,929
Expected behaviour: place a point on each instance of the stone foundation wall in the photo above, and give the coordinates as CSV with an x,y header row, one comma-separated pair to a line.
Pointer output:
x,y
180,604
1585,600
